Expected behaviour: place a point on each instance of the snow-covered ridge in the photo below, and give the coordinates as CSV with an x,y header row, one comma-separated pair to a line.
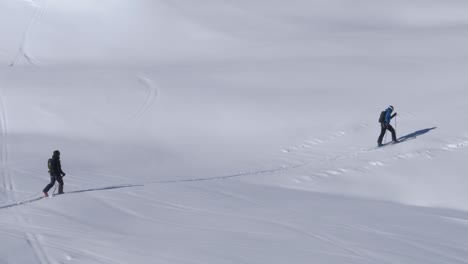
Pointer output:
x,y
147,31
233,131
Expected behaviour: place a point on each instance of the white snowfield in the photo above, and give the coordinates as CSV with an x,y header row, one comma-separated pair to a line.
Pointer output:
x,y
234,131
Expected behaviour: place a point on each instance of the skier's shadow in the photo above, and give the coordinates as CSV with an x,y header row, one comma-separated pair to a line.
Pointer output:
x,y
416,134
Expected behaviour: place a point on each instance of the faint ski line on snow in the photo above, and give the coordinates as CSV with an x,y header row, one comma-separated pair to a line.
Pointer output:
x,y
243,174
4,139
428,153
151,97
40,8
21,203
10,186
323,173
226,176
309,143
321,238
12,234
84,253
7,180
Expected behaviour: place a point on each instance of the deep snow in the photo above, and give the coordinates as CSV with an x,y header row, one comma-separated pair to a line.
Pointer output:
x,y
233,131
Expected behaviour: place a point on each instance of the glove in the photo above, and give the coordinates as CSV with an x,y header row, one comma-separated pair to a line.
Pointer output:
x,y
63,174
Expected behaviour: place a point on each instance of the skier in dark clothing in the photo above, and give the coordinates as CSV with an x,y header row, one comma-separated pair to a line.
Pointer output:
x,y
56,173
385,124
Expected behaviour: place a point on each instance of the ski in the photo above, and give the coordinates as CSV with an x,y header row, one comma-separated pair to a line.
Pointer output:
x,y
401,140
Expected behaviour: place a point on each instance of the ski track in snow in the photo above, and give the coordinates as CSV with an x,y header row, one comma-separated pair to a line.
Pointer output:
x,y
363,165
151,96
99,258
367,165
31,2
9,185
3,135
7,180
152,93
40,6
35,199
309,143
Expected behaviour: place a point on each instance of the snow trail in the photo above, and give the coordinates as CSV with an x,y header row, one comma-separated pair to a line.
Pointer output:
x,y
40,6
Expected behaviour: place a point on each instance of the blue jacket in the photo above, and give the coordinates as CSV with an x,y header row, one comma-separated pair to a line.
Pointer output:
x,y
388,116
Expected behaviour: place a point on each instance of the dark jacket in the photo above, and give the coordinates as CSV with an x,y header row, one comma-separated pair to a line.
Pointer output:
x,y
55,167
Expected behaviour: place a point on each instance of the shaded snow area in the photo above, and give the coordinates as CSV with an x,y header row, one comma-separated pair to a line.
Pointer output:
x,y
234,131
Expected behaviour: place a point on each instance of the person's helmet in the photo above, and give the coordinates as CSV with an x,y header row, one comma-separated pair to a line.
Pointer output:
x,y
391,107
56,153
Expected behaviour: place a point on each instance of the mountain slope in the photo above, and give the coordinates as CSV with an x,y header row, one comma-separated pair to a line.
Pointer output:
x,y
233,132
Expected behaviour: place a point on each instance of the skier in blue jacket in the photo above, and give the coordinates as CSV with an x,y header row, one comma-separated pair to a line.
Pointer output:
x,y
385,124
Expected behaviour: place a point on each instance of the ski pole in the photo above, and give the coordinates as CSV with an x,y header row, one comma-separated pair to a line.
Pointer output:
x,y
395,122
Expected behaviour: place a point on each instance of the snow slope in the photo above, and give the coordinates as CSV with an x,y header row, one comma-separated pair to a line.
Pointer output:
x,y
233,131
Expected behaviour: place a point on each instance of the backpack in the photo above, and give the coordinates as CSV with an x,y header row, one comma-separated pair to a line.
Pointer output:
x,y
49,165
382,117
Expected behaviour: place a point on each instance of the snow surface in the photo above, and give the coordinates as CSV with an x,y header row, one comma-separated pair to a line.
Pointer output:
x,y
234,131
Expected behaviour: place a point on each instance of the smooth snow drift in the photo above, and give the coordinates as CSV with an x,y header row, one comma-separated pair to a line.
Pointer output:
x,y
233,131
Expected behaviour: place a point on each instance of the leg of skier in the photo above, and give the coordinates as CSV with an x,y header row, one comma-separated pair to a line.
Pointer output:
x,y
390,128
60,181
383,130
50,185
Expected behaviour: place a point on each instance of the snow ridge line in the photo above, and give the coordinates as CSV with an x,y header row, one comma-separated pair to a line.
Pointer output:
x,y
28,201
224,177
40,9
